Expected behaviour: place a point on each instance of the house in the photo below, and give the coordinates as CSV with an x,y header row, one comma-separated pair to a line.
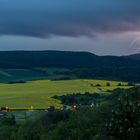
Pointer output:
x,y
4,109
51,109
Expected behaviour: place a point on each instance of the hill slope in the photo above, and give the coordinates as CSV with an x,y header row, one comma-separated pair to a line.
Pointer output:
x,y
133,57
31,59
31,65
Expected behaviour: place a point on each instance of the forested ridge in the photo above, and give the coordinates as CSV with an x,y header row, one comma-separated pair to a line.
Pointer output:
x,y
80,64
31,59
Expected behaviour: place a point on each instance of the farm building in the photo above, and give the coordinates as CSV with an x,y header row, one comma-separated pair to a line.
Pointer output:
x,y
4,109
51,109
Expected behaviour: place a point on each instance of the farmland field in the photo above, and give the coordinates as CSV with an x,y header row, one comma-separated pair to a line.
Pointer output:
x,y
39,93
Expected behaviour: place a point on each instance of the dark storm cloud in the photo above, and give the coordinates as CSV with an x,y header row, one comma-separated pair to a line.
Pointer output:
x,y
44,18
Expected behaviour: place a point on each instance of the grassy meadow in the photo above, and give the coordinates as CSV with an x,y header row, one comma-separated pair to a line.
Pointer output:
x,y
39,93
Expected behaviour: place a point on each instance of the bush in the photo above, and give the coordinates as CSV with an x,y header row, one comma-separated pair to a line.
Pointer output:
x,y
119,84
8,120
98,85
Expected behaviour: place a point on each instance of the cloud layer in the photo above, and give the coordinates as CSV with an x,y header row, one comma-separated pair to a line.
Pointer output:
x,y
45,18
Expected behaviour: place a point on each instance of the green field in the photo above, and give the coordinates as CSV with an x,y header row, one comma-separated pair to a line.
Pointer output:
x,y
39,93
7,75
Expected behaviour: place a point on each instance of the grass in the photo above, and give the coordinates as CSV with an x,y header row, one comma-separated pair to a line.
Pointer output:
x,y
7,75
39,93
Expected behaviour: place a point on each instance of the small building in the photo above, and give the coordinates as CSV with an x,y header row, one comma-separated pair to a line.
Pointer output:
x,y
51,109
74,107
4,109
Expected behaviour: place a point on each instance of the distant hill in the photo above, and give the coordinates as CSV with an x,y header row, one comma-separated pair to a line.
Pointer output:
x,y
133,57
32,59
30,65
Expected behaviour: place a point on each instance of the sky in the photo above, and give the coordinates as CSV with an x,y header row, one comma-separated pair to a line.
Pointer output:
x,y
103,27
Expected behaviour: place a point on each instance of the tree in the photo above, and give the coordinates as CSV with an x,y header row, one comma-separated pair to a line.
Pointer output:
x,y
119,84
125,121
108,84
